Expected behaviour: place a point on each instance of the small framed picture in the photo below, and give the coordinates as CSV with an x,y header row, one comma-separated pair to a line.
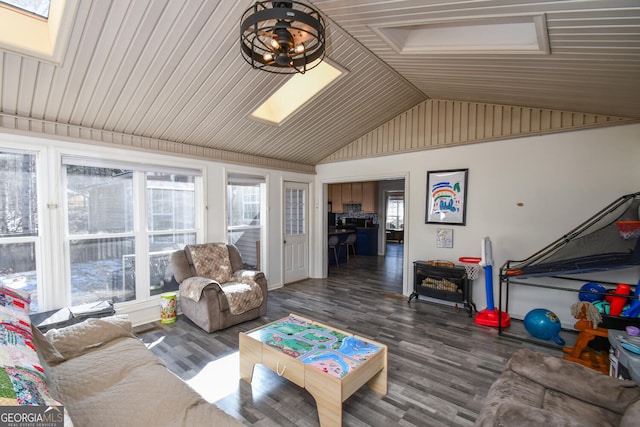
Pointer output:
x,y
444,238
446,197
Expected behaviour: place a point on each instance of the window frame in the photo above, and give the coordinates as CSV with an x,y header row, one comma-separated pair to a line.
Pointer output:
x,y
249,180
38,239
140,231
396,196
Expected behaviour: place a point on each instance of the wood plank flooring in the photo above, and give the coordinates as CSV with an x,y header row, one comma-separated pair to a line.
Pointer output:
x,y
440,363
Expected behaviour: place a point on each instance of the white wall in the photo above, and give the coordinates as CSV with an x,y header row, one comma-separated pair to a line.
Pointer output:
x,y
561,179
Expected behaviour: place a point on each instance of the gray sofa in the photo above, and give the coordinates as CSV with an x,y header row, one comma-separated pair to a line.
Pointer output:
x,y
541,390
210,307
105,376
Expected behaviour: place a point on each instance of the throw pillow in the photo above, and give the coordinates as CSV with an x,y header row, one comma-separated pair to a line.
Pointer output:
x,y
80,338
46,351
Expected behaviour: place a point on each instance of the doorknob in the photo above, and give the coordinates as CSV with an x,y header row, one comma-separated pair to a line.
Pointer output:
x,y
285,242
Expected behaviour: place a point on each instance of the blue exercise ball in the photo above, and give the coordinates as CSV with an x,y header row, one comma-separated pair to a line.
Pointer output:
x,y
543,324
589,292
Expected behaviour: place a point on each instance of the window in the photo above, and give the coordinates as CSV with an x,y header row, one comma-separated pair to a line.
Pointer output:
x,y
171,222
295,212
37,7
110,229
101,237
19,233
245,203
395,210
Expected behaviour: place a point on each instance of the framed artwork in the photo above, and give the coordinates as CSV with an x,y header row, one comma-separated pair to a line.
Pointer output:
x,y
446,197
444,238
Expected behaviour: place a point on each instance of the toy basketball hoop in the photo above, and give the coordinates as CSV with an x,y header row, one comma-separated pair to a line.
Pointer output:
x,y
472,266
490,316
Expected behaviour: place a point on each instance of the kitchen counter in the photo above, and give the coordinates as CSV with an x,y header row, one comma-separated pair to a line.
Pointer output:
x,y
340,231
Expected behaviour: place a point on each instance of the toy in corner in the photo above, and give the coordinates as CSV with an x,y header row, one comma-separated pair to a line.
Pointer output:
x,y
490,316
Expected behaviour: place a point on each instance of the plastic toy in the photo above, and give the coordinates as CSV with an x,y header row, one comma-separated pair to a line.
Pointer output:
x,y
588,319
592,292
602,306
618,302
634,309
543,324
489,316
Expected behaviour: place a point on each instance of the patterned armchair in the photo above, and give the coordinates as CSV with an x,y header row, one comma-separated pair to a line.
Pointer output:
x,y
215,291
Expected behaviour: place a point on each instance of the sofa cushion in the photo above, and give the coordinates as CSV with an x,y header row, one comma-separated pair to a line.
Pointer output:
x,y
575,380
536,389
631,415
242,297
518,414
119,382
85,336
210,260
587,414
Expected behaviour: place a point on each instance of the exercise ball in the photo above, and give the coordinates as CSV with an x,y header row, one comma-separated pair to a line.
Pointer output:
x,y
588,292
543,324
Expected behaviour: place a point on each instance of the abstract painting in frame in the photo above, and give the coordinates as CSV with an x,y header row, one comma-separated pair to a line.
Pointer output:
x,y
447,196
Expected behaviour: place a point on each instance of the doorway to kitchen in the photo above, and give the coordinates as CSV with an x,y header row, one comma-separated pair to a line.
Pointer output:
x,y
363,210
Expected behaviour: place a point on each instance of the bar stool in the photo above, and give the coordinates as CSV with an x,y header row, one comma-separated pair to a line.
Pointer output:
x,y
349,242
333,244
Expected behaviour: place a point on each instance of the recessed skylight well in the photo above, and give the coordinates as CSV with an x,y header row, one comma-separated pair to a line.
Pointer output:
x,y
297,91
498,34
37,7
34,36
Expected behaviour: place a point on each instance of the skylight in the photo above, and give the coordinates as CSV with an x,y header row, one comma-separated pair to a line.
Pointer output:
x,y
37,7
299,89
498,34
32,35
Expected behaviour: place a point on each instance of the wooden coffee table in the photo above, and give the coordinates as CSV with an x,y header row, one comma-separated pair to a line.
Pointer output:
x,y
329,363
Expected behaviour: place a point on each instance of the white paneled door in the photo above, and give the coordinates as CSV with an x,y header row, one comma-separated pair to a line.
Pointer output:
x,y
296,238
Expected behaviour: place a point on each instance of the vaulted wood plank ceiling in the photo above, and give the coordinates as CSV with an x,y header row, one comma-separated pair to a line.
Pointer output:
x,y
171,70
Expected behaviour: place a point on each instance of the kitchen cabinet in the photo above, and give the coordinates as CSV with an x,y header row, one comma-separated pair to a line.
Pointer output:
x,y
369,197
364,193
356,192
367,241
346,193
335,197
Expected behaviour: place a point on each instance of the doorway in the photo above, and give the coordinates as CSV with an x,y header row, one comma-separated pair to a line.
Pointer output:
x,y
387,259
296,236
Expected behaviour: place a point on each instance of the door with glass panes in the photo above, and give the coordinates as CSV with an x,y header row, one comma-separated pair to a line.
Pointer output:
x,y
296,239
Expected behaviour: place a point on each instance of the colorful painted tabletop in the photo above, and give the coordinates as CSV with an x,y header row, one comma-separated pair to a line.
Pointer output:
x,y
330,351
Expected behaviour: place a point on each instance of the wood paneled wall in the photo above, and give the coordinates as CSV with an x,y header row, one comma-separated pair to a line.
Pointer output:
x,y
437,124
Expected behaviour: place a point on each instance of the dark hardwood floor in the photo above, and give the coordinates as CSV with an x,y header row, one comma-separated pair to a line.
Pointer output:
x,y
441,363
